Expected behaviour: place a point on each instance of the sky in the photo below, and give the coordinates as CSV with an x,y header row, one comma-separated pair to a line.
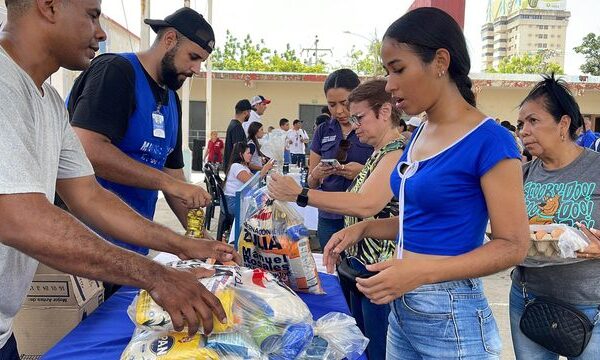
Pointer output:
x,y
297,22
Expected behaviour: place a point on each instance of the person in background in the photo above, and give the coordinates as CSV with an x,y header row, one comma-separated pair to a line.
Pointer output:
x,y
587,137
255,134
284,127
325,111
214,149
40,154
336,139
377,120
238,173
319,120
297,140
411,125
459,170
235,131
259,106
567,175
513,131
125,110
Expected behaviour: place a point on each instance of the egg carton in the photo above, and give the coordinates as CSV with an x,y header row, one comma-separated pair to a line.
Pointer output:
x,y
555,242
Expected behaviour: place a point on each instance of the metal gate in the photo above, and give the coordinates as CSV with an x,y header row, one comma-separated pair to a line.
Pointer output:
x,y
308,115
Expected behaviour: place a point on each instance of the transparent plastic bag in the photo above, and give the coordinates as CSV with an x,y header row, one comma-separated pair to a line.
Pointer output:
x,y
332,344
274,238
234,345
554,244
150,345
145,313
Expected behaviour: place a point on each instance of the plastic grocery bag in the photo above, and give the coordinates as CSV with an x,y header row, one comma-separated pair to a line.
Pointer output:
x,y
554,244
149,345
274,238
148,315
332,344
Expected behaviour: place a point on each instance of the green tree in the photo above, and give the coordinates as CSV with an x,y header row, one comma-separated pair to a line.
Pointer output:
x,y
590,47
528,64
250,56
367,62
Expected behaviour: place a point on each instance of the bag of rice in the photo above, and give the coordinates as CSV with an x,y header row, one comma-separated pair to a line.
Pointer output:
x,y
147,314
274,238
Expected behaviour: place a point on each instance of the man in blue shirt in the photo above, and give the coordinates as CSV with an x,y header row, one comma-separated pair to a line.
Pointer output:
x,y
126,113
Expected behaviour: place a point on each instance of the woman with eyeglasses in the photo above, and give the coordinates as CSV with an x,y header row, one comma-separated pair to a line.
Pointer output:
x,y
459,169
336,140
377,121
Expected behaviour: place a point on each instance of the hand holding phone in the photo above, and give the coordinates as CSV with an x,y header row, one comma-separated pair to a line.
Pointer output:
x,y
333,163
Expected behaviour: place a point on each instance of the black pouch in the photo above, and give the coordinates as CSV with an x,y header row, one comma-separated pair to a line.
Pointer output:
x,y
349,271
555,325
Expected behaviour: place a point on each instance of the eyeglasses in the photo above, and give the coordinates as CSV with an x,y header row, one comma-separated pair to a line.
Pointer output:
x,y
356,120
342,155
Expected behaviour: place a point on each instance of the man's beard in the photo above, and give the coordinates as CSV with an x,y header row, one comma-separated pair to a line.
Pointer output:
x,y
168,72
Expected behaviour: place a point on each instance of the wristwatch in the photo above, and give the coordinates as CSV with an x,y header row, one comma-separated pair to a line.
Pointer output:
x,y
302,199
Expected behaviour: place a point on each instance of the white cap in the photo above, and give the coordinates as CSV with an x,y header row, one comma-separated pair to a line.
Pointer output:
x,y
414,121
259,99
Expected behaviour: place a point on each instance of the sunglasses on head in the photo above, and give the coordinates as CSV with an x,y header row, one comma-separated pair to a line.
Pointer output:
x,y
342,155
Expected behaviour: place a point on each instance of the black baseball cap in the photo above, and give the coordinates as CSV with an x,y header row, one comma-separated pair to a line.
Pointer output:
x,y
189,23
243,105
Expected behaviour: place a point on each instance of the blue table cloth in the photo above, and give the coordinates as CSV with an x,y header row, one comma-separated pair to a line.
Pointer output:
x,y
107,331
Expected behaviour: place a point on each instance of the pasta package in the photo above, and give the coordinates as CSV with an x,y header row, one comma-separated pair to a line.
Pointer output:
x,y
275,239
168,346
148,315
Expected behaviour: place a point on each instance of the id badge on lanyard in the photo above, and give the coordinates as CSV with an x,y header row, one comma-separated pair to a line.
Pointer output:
x,y
158,124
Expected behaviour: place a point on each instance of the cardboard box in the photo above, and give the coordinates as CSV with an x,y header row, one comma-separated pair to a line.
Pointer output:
x,y
55,304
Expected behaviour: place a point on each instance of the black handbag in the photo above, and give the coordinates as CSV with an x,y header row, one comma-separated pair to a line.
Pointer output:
x,y
555,325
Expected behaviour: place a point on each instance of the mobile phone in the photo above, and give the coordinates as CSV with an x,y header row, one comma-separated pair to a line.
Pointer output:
x,y
331,162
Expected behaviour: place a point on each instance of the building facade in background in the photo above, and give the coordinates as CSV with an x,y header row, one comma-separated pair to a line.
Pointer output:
x,y
517,27
2,14
456,8
118,39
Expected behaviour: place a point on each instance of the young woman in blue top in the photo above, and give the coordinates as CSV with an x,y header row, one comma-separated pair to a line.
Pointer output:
x,y
459,169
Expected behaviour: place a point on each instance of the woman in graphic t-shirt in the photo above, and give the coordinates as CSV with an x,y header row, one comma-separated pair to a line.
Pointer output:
x,y
562,185
459,169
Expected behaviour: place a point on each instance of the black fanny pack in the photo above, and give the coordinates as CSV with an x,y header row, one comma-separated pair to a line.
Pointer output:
x,y
555,325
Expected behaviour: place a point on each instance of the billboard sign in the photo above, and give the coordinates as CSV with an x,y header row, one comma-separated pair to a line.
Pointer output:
x,y
544,4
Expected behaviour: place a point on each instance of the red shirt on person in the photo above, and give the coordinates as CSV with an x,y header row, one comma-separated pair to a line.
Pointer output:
x,y
215,150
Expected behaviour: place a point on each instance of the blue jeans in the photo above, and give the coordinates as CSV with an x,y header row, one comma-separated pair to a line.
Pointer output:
x,y
449,320
298,159
526,349
372,320
326,228
9,350
231,205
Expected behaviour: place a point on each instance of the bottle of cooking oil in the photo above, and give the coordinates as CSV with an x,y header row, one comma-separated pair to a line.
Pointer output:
x,y
195,223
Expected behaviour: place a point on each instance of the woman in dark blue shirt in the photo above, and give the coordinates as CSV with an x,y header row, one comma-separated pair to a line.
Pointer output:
x,y
336,139
459,169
